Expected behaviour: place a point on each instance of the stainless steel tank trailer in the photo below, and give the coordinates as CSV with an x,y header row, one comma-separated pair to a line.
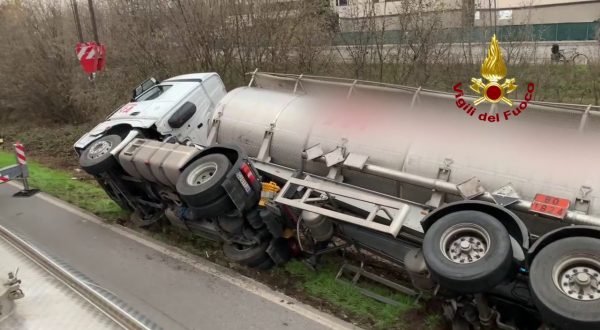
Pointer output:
x,y
499,220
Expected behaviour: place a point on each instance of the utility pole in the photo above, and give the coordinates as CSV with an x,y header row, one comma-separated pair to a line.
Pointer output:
x,y
93,17
77,21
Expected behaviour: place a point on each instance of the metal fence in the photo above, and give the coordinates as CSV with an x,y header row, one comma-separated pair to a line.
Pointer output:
x,y
534,32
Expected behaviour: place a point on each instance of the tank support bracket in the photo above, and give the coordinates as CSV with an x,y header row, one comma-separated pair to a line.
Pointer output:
x,y
264,154
582,202
335,174
438,197
212,134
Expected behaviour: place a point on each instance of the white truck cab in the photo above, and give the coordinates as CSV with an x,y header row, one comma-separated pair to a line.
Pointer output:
x,y
180,107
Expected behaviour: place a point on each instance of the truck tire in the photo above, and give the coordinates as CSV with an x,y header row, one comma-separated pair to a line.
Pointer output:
x,y
200,183
564,278
231,224
216,208
468,251
96,158
251,256
279,250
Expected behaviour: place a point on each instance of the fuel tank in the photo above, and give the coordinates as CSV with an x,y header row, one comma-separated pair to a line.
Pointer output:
x,y
543,149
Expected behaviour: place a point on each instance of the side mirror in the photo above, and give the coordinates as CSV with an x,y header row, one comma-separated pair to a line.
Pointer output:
x,y
182,115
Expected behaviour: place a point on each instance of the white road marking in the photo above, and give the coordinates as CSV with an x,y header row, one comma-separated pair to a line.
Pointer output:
x,y
208,267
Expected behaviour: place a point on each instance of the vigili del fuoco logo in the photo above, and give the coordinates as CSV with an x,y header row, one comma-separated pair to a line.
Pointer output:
x,y
493,88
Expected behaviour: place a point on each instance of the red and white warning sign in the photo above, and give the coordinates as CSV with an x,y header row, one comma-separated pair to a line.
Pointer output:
x,y
91,56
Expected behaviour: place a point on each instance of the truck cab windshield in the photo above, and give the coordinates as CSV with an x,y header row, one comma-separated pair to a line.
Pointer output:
x,y
153,93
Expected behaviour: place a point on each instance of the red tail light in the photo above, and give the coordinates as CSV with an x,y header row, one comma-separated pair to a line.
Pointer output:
x,y
245,168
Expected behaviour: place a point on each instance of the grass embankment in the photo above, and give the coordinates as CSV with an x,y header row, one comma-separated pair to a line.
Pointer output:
x,y
317,288
85,194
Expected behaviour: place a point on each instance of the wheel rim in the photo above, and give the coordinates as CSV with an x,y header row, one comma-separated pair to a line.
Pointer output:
x,y
578,277
202,174
465,243
99,149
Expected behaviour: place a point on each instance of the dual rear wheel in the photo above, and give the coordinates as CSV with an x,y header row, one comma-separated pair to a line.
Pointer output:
x,y
200,185
470,252
564,278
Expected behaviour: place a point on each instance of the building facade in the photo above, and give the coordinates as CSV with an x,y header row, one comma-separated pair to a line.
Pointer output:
x,y
565,19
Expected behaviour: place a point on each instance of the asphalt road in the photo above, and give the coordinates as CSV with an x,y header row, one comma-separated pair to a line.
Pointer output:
x,y
174,290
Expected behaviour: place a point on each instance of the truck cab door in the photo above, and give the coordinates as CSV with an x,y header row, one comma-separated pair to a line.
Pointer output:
x,y
196,110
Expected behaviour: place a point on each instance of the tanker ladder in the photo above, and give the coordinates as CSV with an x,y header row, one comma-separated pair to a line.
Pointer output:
x,y
19,171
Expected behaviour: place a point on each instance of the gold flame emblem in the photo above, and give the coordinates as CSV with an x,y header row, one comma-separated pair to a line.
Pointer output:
x,y
493,70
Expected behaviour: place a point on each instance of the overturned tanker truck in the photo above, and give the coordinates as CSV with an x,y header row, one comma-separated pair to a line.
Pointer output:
x,y
500,220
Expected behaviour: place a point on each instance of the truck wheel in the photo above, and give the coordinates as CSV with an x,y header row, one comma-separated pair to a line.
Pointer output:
x,y
216,208
200,182
96,158
565,282
279,250
251,256
231,224
468,251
